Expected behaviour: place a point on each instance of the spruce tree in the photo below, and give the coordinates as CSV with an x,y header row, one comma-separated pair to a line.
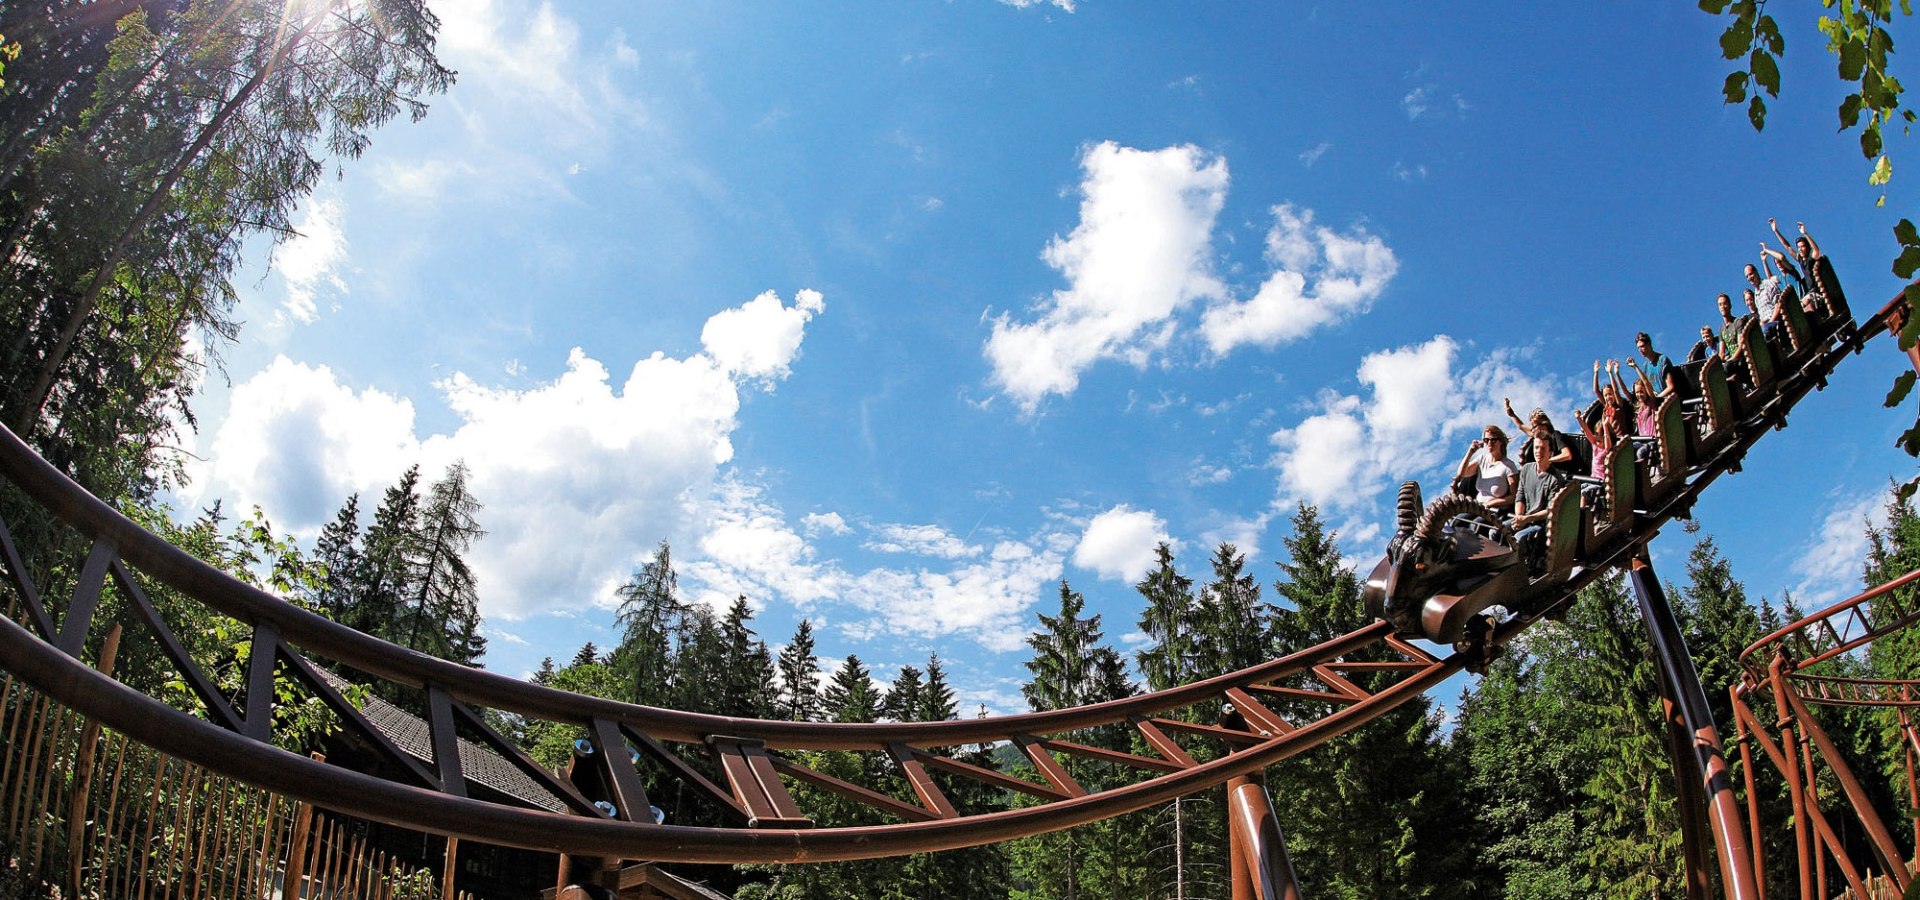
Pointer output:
x,y
747,686
1632,826
1719,623
937,701
1168,622
799,677
338,553
650,616
1232,618
700,662
1323,596
1369,810
903,700
1063,655
386,571
850,696
444,617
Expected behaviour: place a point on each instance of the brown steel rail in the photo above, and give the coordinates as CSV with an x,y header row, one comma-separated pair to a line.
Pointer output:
x,y
1778,672
1844,626
1289,704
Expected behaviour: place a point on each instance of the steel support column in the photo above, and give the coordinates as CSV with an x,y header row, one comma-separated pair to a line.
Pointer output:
x,y
1261,869
1700,768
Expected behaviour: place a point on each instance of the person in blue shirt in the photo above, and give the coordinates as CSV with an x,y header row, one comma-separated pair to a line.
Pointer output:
x,y
1659,371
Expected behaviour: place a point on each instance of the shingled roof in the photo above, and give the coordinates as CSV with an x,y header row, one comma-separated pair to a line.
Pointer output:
x,y
479,764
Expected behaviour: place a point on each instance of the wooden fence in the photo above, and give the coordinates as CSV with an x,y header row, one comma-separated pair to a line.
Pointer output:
x,y
89,814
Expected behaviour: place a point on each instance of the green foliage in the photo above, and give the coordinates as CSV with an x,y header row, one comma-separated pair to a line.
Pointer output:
x,y
799,673
1908,262
141,152
651,616
1169,622
551,743
9,51
1374,812
1072,666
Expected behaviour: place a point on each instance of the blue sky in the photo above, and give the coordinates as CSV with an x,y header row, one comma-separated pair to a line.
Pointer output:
x,y
891,315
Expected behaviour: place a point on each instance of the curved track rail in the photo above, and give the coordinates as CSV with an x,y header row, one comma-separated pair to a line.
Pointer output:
x,y
1780,675
1279,708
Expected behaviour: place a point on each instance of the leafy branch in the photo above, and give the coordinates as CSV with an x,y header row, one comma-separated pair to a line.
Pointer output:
x,y
1858,38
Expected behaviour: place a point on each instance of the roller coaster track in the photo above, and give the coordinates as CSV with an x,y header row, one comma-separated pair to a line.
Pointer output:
x,y
742,768
1780,673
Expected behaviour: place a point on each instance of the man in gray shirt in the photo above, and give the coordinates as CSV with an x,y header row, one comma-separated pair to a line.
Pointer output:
x,y
1534,493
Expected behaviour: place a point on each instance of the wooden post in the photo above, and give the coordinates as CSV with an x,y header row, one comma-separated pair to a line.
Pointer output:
x,y
450,865
83,772
49,764
297,847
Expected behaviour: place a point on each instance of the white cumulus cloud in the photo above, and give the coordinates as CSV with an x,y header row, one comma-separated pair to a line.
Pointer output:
x,y
825,523
1140,253
1118,544
1321,277
1416,407
296,442
579,475
761,338
1142,257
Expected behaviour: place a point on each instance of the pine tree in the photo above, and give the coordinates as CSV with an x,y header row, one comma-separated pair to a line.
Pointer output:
x,y
1071,667
338,553
850,695
1632,829
1063,655
445,612
650,616
973,873
1719,623
1169,624
903,700
1324,598
937,701
1369,810
386,570
1232,618
700,662
747,680
799,677
587,655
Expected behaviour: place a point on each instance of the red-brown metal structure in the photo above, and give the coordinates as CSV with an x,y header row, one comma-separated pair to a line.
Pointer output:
x,y
1283,707
1780,674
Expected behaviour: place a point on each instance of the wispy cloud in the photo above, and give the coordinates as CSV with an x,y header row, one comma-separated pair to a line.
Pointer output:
x,y
309,261
1312,154
920,540
1831,561
1429,101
